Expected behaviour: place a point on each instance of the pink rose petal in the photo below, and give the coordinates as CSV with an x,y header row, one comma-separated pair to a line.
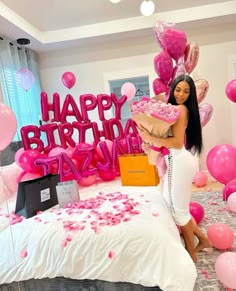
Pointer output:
x,y
111,255
24,253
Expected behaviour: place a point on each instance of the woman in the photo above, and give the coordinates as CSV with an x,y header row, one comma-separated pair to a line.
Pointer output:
x,y
185,136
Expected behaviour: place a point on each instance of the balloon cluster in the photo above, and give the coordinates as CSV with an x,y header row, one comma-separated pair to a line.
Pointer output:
x,y
73,157
176,58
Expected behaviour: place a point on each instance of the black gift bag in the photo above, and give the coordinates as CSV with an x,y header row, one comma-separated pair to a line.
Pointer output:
x,y
36,195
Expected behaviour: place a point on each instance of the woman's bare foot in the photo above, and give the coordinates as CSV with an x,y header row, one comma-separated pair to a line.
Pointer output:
x,y
203,243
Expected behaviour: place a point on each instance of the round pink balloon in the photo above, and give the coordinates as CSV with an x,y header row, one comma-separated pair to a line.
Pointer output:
x,y
225,267
8,126
221,162
25,78
231,202
229,188
230,90
197,211
200,179
128,89
68,79
87,181
220,235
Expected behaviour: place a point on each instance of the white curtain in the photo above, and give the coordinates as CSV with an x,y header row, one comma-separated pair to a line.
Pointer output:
x,y
25,104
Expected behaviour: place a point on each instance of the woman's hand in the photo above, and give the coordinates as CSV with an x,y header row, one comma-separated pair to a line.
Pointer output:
x,y
144,133
146,147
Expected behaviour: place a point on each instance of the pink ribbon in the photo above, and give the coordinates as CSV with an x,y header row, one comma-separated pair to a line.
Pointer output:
x,y
163,150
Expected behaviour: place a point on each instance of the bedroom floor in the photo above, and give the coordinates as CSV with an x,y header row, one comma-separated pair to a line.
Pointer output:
x,y
215,209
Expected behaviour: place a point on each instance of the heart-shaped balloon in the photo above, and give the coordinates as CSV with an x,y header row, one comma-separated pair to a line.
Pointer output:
x,y
174,41
191,55
159,29
163,66
202,87
159,86
205,111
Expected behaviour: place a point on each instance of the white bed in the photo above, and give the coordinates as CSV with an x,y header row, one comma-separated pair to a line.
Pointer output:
x,y
142,247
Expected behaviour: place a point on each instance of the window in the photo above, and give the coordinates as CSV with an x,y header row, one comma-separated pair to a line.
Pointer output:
x,y
142,89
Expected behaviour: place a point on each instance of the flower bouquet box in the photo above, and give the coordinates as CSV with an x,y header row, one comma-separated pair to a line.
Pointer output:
x,y
135,170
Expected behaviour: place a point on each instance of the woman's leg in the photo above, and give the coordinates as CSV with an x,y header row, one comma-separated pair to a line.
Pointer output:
x,y
202,238
188,236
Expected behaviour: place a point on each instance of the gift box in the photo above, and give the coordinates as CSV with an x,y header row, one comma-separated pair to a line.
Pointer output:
x,y
135,170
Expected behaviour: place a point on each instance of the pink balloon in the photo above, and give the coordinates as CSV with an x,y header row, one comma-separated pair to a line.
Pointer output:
x,y
200,179
108,175
179,69
128,89
8,126
231,202
25,78
163,66
56,151
191,56
230,90
205,111
159,30
221,162
159,86
229,188
27,159
30,176
220,235
18,154
108,144
68,79
202,87
225,267
197,211
87,181
174,41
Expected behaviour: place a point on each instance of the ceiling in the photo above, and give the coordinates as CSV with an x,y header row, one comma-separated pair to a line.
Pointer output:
x,y
57,24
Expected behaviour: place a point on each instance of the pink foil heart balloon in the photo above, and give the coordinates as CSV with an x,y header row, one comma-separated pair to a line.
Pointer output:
x,y
202,87
174,42
205,111
163,66
159,86
159,29
191,55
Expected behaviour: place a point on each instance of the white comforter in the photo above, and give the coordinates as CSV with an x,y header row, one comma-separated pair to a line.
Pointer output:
x,y
124,235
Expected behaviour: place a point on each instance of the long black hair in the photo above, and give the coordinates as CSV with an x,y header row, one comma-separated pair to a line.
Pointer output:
x,y
194,129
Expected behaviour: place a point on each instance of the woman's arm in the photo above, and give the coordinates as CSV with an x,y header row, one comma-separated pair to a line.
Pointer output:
x,y
178,132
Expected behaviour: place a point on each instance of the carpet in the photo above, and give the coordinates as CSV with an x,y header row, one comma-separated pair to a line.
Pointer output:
x,y
215,211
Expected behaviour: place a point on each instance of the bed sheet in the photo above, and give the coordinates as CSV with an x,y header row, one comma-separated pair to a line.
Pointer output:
x,y
115,233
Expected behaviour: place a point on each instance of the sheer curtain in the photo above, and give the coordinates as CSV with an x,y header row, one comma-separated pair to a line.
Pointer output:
x,y
25,104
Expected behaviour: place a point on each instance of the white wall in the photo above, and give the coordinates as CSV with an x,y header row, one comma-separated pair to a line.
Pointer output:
x,y
95,64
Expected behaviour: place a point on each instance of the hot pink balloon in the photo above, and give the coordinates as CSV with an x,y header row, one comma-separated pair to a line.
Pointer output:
x,y
8,126
220,235
174,41
159,29
230,90
205,111
197,211
68,79
159,86
221,162
202,87
191,56
128,89
25,78
163,66
229,188
225,267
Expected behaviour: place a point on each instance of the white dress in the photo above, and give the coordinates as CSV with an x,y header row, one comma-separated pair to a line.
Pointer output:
x,y
177,183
